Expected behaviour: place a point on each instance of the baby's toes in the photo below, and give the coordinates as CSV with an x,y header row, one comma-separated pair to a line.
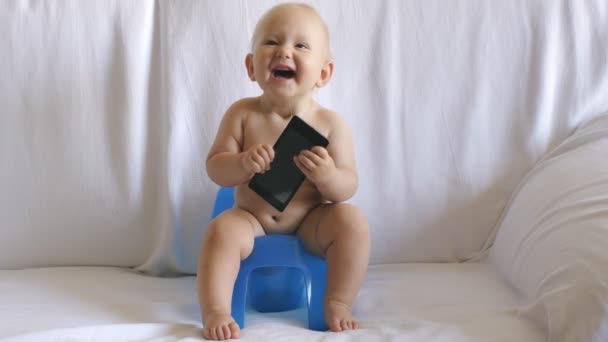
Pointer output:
x,y
209,333
334,325
235,332
223,332
350,324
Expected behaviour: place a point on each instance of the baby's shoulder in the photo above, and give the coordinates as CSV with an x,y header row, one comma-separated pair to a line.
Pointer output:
x,y
243,106
329,118
239,111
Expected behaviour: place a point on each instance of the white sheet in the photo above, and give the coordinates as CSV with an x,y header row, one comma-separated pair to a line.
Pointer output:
x,y
551,243
406,302
109,108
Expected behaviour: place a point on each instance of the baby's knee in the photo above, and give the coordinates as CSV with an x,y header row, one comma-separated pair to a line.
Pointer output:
x,y
351,221
225,232
220,230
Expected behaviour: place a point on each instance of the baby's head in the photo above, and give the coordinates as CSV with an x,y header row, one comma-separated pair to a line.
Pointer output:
x,y
290,50
310,14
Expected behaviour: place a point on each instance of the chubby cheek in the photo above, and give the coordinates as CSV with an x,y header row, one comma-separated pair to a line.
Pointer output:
x,y
309,74
260,65
260,71
311,68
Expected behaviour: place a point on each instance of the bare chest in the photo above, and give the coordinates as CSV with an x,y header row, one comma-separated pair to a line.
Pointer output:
x,y
261,129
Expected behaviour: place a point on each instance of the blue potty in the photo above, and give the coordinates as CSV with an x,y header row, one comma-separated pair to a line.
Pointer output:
x,y
279,275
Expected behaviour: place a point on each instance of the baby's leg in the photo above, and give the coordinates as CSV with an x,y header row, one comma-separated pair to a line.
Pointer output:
x,y
228,240
340,233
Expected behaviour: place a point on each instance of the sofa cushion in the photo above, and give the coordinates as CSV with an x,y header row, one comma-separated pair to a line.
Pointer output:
x,y
552,243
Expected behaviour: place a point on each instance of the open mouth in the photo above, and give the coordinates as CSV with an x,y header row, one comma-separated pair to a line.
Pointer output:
x,y
284,73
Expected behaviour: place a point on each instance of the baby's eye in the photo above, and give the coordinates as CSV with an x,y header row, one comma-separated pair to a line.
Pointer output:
x,y
270,42
301,46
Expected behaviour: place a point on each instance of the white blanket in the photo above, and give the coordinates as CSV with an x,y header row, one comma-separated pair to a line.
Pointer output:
x,y
416,302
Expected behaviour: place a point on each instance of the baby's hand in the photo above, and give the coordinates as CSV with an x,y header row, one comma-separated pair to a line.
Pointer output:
x,y
316,164
257,158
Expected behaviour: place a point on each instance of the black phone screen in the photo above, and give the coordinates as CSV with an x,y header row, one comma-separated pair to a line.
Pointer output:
x,y
278,185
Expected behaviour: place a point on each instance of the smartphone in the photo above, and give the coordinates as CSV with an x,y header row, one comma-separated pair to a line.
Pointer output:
x,y
278,185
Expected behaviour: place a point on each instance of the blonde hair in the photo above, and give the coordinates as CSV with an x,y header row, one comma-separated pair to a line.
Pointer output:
x,y
308,7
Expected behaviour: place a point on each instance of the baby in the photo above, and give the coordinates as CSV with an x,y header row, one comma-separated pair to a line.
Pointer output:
x,y
290,58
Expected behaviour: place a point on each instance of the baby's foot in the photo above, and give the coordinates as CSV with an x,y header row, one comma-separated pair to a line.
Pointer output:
x,y
220,327
338,316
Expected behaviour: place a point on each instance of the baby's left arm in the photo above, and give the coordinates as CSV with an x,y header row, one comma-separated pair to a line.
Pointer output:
x,y
332,170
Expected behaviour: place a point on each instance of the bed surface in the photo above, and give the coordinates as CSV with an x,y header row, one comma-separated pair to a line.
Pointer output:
x,y
404,302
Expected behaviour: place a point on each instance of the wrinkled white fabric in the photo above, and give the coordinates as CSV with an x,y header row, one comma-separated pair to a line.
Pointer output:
x,y
108,110
552,242
407,302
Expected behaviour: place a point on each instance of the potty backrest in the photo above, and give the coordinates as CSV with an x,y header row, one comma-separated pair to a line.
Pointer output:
x,y
224,200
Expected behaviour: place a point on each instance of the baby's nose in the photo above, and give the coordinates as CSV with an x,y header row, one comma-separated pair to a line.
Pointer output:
x,y
283,52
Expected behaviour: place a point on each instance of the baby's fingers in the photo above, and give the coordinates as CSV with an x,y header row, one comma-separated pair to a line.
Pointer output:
x,y
263,152
259,159
269,150
320,151
255,163
312,157
305,161
301,166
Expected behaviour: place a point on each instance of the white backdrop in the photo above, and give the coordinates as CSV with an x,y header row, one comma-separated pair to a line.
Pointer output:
x,y
107,110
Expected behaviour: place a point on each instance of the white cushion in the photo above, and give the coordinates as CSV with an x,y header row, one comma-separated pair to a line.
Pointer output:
x,y
552,243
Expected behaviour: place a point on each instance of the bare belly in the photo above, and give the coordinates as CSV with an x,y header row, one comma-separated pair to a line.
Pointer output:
x,y
272,220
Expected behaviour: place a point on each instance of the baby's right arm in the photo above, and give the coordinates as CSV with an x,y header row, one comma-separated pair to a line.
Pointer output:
x,y
227,163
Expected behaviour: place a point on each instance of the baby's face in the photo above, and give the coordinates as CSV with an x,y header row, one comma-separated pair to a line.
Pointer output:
x,y
290,53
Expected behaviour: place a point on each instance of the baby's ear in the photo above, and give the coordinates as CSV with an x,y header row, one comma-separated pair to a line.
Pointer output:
x,y
326,74
249,66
